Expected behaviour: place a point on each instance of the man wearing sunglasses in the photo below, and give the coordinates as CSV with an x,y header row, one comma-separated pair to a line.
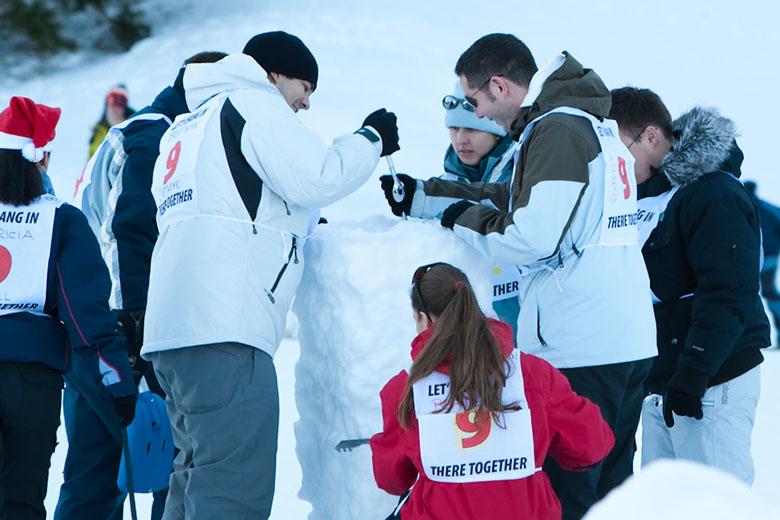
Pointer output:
x,y
567,219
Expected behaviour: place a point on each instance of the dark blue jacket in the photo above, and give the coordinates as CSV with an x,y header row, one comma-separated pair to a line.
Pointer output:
x,y
129,152
79,322
703,262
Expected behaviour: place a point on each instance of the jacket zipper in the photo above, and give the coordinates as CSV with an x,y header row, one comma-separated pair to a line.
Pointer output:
x,y
539,329
293,251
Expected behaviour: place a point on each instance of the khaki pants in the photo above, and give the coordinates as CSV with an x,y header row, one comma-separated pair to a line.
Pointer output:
x,y
223,403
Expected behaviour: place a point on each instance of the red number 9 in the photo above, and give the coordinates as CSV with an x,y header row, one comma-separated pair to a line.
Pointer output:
x,y
624,177
173,161
478,424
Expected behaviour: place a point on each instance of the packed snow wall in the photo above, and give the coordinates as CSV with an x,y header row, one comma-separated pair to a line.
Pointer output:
x,y
355,330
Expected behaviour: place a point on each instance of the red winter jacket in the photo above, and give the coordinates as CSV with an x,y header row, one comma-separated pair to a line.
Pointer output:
x,y
566,426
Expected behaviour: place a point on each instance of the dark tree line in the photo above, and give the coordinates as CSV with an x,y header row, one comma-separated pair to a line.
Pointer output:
x,y
45,27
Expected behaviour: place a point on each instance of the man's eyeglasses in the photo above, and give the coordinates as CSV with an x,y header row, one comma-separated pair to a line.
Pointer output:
x,y
636,138
470,99
675,137
451,102
417,277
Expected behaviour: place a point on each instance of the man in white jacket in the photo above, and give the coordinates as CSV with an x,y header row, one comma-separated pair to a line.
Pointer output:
x,y
234,185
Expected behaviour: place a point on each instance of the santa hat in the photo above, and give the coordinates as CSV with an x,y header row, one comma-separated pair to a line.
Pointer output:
x,y
29,127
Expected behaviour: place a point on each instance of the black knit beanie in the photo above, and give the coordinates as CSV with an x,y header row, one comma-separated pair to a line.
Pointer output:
x,y
284,53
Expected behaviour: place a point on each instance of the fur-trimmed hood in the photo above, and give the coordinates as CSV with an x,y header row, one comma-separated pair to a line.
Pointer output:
x,y
706,141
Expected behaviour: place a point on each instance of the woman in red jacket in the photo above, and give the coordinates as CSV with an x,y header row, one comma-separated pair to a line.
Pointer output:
x,y
469,426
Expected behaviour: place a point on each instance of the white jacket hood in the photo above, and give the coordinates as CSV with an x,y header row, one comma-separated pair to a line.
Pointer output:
x,y
202,81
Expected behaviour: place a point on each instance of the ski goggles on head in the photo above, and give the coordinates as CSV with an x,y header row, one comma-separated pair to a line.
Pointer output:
x,y
116,99
451,102
417,277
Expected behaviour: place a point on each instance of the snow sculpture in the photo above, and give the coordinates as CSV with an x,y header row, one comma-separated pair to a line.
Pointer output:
x,y
355,330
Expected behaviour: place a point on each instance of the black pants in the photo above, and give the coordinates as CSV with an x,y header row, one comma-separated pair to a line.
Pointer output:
x,y
617,389
30,395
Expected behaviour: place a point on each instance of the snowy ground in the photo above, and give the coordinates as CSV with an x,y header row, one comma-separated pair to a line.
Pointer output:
x,y
717,52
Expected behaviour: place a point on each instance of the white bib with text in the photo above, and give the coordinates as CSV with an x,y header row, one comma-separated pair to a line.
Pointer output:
x,y
174,183
506,280
619,217
650,211
25,246
457,447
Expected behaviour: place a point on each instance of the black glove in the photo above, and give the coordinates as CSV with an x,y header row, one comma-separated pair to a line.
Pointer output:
x,y
384,123
125,409
405,205
452,213
681,403
131,324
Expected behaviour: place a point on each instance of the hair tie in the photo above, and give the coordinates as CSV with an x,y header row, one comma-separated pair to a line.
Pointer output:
x,y
458,285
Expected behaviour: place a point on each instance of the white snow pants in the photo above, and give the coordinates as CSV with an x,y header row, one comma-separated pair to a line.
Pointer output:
x,y
720,439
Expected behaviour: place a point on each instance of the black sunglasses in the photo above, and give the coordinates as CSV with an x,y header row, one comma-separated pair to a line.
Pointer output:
x,y
470,99
417,277
451,102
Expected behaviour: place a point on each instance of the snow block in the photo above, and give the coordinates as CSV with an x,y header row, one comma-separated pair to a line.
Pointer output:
x,y
355,331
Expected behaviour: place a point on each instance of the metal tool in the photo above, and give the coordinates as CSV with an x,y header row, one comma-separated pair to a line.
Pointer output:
x,y
350,444
398,187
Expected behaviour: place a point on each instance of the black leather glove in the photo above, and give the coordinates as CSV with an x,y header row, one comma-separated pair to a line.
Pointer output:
x,y
681,403
131,324
125,409
384,123
452,213
405,205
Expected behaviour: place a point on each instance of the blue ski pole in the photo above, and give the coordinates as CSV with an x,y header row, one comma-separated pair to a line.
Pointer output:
x,y
129,473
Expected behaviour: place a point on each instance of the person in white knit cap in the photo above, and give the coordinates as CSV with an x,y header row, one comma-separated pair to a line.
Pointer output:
x,y
480,149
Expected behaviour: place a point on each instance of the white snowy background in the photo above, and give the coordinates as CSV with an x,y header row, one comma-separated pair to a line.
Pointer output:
x,y
400,55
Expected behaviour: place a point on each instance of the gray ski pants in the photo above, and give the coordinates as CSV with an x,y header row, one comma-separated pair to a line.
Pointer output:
x,y
720,439
223,403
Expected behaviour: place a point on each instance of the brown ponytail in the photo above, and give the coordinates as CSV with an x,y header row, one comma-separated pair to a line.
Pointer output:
x,y
478,367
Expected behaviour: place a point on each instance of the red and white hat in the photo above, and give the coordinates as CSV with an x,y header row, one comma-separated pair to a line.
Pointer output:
x,y
29,127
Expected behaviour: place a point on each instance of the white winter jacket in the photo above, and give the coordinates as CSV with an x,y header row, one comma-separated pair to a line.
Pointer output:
x,y
234,184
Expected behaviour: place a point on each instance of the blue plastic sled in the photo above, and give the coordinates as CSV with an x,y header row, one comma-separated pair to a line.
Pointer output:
x,y
151,446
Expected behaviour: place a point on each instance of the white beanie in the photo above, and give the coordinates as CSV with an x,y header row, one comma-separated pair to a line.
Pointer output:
x,y
461,117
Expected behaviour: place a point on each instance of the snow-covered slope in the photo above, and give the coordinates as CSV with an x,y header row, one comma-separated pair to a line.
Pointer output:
x,y
401,56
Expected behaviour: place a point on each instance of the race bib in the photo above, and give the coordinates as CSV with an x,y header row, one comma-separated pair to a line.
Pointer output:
x,y
25,246
619,220
650,211
506,280
174,183
619,217
461,447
